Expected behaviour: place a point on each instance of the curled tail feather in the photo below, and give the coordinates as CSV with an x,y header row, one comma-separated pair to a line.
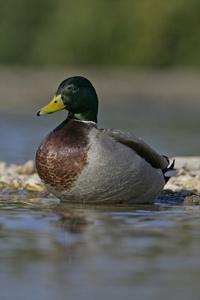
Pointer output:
x,y
170,171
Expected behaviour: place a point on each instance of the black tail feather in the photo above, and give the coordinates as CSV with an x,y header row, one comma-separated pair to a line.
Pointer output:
x,y
170,171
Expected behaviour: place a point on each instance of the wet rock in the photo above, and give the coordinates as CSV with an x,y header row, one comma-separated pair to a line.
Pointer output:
x,y
33,183
28,168
188,177
18,176
3,167
192,200
4,181
187,163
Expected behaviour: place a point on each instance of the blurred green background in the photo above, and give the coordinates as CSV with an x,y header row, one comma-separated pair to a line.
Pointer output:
x,y
142,56
142,33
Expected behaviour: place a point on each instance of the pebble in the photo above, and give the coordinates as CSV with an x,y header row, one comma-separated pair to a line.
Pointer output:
x,y
186,183
17,176
188,177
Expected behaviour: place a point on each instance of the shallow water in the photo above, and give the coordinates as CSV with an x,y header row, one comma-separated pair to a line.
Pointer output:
x,y
53,251
50,250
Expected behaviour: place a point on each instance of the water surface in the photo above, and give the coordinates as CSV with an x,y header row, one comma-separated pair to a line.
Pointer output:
x,y
53,251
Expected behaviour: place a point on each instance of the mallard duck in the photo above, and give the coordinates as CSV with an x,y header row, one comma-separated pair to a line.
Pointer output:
x,y
80,163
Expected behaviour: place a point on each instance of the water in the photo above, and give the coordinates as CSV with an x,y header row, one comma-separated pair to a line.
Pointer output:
x,y
53,251
50,250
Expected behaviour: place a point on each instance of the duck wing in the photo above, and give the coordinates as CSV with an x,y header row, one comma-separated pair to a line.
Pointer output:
x,y
139,146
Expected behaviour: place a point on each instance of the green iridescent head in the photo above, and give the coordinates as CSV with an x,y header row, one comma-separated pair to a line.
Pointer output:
x,y
78,96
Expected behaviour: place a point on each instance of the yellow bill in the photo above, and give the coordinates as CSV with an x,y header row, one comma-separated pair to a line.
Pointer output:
x,y
55,105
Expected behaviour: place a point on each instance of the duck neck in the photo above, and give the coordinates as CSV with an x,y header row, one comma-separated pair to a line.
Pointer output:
x,y
88,116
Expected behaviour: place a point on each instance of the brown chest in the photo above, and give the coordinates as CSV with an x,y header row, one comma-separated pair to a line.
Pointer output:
x,y
62,156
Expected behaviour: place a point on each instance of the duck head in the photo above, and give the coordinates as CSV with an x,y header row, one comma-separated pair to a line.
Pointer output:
x,y
78,96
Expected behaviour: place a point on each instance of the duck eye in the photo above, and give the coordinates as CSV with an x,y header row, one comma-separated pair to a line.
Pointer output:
x,y
74,88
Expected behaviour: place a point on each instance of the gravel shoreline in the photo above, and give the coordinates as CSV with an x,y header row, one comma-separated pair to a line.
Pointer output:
x,y
184,186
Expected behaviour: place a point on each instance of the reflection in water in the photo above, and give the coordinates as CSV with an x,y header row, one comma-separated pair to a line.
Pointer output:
x,y
52,251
